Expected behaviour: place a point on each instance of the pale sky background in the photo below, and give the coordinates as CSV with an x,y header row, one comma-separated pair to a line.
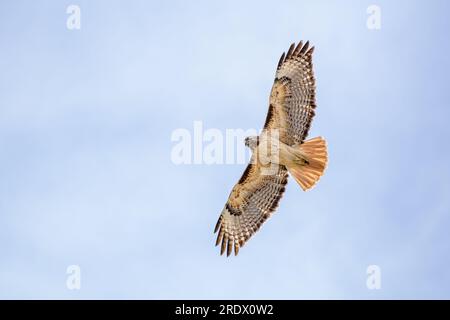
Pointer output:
x,y
86,176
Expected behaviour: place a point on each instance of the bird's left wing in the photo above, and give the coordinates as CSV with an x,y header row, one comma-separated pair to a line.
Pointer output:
x,y
253,199
292,99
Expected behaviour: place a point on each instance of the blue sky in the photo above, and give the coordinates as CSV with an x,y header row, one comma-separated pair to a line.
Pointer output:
x,y
86,176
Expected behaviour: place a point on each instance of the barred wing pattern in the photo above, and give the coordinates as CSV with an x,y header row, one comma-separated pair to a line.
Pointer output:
x,y
293,94
253,199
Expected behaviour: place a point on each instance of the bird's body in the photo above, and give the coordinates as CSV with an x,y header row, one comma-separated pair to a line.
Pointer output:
x,y
279,149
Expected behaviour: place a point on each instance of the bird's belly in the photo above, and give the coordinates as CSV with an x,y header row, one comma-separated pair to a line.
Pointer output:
x,y
272,151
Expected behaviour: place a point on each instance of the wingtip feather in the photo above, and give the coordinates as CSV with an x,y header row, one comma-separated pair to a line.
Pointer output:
x,y
304,48
291,49
229,247
218,224
280,62
223,247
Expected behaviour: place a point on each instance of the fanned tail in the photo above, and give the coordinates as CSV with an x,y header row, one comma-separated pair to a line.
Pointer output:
x,y
310,162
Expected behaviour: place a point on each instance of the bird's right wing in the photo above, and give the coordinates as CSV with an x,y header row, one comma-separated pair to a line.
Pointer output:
x,y
253,199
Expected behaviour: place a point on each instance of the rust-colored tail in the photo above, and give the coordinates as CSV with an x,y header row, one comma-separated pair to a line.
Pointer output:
x,y
310,162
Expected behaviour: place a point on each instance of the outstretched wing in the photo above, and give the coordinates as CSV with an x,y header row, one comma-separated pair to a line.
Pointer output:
x,y
292,99
253,199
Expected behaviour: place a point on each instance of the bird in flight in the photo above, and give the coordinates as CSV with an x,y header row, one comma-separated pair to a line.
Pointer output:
x,y
280,149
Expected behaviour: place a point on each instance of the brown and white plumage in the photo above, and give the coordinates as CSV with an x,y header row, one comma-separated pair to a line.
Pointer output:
x,y
293,94
291,108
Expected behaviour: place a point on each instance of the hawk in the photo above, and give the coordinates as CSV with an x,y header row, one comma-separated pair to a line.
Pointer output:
x,y
279,149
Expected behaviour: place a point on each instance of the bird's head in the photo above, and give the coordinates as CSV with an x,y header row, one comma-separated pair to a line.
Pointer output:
x,y
251,142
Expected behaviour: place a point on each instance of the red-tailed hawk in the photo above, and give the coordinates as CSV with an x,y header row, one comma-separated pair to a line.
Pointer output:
x,y
280,148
